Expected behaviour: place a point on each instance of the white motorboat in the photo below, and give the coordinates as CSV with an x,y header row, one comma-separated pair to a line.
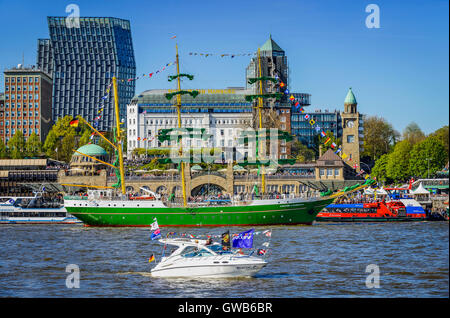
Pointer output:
x,y
193,258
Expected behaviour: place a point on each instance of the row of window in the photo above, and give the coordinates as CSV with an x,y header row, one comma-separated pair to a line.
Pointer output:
x,y
329,172
13,131
19,114
12,79
19,105
193,121
24,96
19,122
19,88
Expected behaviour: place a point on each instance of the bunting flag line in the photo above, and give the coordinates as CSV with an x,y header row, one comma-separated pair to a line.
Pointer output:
x,y
312,122
231,55
102,105
149,75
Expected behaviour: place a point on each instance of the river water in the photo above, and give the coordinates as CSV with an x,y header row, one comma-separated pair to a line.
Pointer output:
x,y
322,260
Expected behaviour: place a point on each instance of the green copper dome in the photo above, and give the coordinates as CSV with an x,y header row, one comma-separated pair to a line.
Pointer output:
x,y
350,98
92,150
271,46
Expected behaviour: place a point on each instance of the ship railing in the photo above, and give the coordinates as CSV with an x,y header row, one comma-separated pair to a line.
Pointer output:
x,y
75,197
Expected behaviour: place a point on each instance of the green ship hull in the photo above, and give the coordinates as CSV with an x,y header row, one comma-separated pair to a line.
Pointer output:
x,y
283,213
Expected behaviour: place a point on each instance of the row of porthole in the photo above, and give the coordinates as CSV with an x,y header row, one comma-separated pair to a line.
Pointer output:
x,y
113,205
204,217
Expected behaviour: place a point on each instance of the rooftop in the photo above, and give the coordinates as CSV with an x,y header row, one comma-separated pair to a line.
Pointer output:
x,y
271,45
91,150
350,98
331,157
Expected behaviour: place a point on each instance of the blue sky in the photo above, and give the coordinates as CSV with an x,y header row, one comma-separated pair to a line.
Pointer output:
x,y
399,71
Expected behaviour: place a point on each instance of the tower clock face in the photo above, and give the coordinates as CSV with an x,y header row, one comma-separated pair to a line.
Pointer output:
x,y
350,124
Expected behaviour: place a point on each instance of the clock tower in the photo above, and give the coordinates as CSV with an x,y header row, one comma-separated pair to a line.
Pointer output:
x,y
350,130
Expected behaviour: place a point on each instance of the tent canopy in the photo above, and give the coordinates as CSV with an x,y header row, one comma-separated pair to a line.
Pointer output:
x,y
420,190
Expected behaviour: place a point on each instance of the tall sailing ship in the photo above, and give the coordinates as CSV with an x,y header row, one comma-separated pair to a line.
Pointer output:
x,y
111,206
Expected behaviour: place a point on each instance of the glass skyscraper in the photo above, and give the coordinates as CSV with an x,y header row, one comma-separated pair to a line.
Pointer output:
x,y
84,60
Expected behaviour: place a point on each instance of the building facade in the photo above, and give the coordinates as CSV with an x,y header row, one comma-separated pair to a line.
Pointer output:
x,y
44,56
28,103
84,61
223,113
304,132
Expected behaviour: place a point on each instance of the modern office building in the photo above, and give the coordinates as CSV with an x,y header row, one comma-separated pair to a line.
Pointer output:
x,y
85,59
28,103
306,133
44,56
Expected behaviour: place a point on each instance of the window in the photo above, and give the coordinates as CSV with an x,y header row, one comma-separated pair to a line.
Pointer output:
x,y
322,171
329,172
336,171
350,138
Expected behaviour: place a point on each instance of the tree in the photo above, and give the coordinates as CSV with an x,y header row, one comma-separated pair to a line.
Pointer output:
x,y
427,157
413,133
16,145
67,144
301,152
379,169
442,134
397,167
51,143
379,137
320,141
85,137
3,150
33,146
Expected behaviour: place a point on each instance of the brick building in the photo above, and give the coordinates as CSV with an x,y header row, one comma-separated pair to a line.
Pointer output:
x,y
27,103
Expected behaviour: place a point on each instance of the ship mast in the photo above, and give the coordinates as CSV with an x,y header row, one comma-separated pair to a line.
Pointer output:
x,y
260,107
119,136
178,105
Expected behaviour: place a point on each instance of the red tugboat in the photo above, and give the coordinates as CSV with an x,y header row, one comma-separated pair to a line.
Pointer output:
x,y
397,206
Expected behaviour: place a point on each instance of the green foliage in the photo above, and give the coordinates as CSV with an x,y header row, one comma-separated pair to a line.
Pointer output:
x,y
413,133
85,137
379,137
67,145
33,146
16,145
430,148
397,167
301,152
320,141
379,169
3,150
51,144
442,134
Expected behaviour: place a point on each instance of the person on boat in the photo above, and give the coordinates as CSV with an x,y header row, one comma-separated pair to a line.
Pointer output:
x,y
209,241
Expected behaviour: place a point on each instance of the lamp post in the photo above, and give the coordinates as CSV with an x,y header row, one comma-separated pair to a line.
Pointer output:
x,y
365,165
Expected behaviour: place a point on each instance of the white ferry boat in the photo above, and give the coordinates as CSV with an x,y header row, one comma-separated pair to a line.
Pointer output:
x,y
34,210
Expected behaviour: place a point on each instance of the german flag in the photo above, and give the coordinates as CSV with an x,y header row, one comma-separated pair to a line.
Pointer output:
x,y
74,123
151,259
